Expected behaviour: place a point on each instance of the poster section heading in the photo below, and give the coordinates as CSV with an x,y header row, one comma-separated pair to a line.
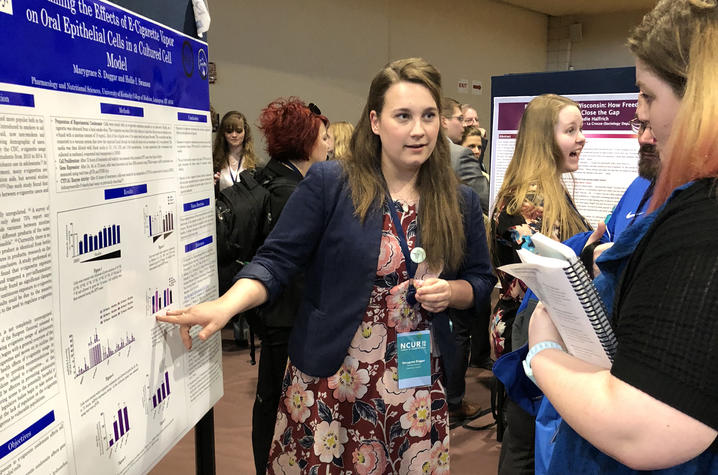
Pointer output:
x,y
96,48
608,115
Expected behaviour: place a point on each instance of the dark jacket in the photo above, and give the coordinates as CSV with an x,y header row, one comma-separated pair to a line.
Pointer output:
x,y
243,221
468,169
320,234
280,181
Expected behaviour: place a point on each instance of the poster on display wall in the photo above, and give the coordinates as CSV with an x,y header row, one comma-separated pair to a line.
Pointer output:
x,y
106,220
609,160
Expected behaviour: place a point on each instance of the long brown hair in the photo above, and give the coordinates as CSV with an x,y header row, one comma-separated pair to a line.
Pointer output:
x,y
442,228
534,173
221,147
678,40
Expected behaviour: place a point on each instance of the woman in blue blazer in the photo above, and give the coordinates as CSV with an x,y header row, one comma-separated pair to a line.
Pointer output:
x,y
388,240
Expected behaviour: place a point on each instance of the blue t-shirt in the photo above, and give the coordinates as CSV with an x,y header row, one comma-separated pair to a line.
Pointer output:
x,y
626,211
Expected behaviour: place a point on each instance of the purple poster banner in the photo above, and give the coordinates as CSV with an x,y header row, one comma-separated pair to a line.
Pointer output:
x,y
613,115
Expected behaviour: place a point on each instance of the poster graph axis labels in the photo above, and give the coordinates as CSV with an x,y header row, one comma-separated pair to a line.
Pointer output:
x,y
159,299
113,430
159,219
98,244
96,352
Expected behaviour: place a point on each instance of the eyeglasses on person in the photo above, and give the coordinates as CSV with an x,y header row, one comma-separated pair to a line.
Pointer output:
x,y
639,126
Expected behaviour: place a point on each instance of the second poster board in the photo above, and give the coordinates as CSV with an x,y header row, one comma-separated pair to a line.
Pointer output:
x,y
607,98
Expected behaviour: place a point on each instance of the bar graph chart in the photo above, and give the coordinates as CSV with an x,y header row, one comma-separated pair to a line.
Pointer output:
x,y
156,393
163,391
120,426
113,429
100,243
97,352
159,299
158,223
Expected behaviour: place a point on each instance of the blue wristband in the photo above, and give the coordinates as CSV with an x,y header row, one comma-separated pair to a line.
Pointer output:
x,y
535,350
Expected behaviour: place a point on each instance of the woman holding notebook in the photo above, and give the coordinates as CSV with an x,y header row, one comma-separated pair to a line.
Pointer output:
x,y
657,407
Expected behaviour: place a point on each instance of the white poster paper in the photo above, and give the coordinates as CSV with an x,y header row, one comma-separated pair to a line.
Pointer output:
x,y
106,220
608,162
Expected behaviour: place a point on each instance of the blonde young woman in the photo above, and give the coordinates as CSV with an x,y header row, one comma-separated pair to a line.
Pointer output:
x,y
656,408
341,133
233,150
533,198
351,226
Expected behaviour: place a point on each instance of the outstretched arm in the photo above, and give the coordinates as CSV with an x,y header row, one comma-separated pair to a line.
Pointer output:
x,y
214,315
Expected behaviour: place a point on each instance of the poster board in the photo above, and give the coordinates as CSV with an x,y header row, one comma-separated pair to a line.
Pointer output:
x,y
609,160
106,219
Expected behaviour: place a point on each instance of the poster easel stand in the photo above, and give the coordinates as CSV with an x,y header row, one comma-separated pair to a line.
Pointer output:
x,y
204,444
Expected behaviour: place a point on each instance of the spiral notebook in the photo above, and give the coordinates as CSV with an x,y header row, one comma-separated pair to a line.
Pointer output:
x,y
561,282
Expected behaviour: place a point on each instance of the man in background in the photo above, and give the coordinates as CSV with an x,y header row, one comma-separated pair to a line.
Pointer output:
x,y
468,170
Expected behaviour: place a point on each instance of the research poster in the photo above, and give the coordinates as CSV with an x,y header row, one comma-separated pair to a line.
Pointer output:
x,y
608,162
106,220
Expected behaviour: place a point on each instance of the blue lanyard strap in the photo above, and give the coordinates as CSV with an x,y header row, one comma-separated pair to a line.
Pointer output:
x,y
293,167
411,266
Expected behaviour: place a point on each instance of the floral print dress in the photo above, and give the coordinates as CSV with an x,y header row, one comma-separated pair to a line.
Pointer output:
x,y
358,421
511,233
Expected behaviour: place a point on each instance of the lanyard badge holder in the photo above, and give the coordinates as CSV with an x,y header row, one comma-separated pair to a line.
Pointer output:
x,y
411,259
413,348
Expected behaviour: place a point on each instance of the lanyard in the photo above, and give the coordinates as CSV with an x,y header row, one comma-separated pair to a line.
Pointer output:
x,y
410,264
231,174
293,167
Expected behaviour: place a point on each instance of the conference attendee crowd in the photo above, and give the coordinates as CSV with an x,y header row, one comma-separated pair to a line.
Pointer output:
x,y
372,234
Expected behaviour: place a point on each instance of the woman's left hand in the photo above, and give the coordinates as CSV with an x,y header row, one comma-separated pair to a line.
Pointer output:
x,y
433,294
541,328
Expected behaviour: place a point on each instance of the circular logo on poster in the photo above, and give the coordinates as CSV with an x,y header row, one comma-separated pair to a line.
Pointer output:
x,y
202,63
187,59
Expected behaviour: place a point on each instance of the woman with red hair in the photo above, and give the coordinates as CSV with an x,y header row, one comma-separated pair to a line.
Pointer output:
x,y
296,136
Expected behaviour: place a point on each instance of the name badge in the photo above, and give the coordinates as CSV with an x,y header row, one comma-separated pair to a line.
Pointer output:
x,y
414,358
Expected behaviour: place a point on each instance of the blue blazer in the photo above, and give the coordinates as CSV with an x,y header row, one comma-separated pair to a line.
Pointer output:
x,y
320,234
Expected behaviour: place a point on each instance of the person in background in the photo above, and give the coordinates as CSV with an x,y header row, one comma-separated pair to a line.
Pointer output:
x,y
330,144
533,198
342,134
470,116
353,226
469,172
480,346
655,408
463,160
296,137
634,202
233,150
473,139
233,153
451,123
